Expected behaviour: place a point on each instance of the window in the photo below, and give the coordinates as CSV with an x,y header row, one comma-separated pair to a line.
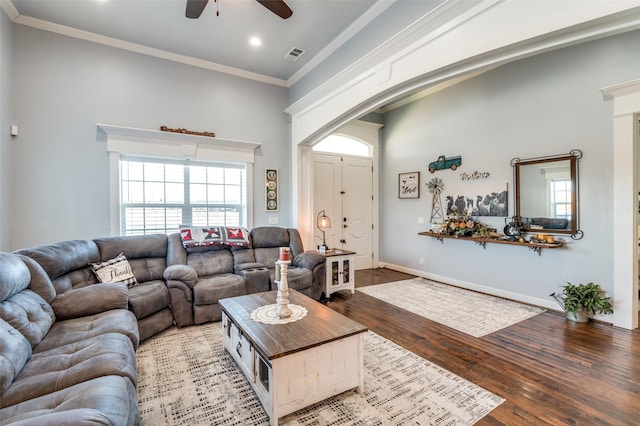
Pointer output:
x,y
338,144
157,196
560,198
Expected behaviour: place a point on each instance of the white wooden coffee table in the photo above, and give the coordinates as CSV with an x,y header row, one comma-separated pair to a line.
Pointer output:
x,y
291,366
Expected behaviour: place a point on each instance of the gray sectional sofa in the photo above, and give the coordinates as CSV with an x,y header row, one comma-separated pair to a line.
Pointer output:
x,y
68,341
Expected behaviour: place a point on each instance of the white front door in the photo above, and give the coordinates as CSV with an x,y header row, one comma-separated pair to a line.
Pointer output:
x,y
343,188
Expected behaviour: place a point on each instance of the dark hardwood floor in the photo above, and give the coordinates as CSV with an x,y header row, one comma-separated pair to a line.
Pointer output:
x,y
550,371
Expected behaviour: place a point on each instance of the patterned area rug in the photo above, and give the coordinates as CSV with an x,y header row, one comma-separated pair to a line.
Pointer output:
x,y
186,378
472,313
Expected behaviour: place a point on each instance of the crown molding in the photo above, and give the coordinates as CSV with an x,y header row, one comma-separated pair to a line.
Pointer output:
x,y
611,92
371,13
10,9
353,29
144,50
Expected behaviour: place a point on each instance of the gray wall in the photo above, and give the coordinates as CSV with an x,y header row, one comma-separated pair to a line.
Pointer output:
x,y
64,87
6,65
546,105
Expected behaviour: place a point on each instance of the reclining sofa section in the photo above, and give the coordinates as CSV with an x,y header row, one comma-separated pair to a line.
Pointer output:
x,y
68,341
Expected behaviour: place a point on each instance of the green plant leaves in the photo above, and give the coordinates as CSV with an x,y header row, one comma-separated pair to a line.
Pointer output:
x,y
586,296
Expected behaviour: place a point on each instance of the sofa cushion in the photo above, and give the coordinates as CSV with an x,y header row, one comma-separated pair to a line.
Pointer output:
x,y
59,368
109,400
153,324
40,282
60,258
78,329
15,350
267,256
211,262
28,313
15,275
147,298
211,289
134,247
148,268
147,254
269,236
115,270
299,278
90,300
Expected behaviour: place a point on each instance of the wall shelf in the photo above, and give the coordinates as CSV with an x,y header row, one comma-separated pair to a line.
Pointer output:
x,y
482,241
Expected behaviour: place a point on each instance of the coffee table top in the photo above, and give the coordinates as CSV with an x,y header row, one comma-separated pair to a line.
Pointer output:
x,y
321,324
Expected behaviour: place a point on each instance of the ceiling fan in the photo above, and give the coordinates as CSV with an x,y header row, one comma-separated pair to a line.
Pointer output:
x,y
279,7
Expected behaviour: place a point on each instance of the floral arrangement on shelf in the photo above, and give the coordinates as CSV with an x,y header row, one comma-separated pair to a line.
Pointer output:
x,y
463,225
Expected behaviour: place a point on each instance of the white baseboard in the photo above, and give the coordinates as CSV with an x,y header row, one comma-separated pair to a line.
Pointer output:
x,y
543,303
547,304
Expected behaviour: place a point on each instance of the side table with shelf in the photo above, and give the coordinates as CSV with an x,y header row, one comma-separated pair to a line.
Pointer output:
x,y
339,271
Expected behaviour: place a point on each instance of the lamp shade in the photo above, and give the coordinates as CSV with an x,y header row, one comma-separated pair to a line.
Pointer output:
x,y
324,222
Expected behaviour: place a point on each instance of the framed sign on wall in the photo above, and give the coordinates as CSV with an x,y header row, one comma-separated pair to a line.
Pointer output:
x,y
409,185
271,190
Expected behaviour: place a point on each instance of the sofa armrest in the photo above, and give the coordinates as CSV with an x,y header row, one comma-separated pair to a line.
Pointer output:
x,y
237,269
180,281
308,260
90,300
256,275
184,273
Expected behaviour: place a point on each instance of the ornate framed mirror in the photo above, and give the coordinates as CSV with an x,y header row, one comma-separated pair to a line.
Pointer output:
x,y
546,194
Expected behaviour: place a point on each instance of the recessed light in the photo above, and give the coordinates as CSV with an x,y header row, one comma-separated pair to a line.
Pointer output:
x,y
255,41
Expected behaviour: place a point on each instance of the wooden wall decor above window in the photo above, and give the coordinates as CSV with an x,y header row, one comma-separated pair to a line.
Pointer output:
x,y
187,132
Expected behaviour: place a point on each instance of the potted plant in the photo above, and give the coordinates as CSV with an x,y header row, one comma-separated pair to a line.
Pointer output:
x,y
578,300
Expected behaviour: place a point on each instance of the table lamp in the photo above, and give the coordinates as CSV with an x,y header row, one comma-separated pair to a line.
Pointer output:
x,y
323,222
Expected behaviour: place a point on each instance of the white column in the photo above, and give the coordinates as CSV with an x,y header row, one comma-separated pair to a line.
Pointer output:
x,y
626,106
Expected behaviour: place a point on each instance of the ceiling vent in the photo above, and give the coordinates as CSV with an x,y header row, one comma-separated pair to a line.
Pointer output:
x,y
294,54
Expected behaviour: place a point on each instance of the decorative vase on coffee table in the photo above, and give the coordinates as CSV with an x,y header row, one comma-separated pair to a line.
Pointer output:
x,y
282,298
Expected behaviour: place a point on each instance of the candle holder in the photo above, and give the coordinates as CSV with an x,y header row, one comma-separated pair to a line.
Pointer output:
x,y
284,254
282,298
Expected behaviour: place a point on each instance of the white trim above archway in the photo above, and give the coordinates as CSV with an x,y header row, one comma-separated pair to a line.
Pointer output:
x,y
626,108
421,56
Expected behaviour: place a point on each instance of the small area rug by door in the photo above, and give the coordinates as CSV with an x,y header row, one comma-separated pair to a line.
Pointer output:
x,y
186,378
467,311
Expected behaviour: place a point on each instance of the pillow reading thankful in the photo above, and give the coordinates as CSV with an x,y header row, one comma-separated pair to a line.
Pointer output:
x,y
115,270
195,236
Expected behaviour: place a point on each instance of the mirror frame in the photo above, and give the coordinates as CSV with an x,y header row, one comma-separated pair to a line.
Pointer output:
x,y
573,158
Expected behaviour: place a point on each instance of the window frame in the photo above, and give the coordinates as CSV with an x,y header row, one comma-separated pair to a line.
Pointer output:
x,y
157,144
186,206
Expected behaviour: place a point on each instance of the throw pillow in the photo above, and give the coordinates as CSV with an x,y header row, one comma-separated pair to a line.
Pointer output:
x,y
115,270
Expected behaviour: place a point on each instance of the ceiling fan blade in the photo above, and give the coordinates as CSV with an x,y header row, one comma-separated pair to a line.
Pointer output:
x,y
279,7
195,8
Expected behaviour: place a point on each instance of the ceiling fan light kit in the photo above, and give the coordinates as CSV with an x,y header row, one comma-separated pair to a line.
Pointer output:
x,y
279,7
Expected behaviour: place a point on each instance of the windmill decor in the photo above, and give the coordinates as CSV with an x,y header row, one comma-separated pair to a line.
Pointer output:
x,y
435,186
